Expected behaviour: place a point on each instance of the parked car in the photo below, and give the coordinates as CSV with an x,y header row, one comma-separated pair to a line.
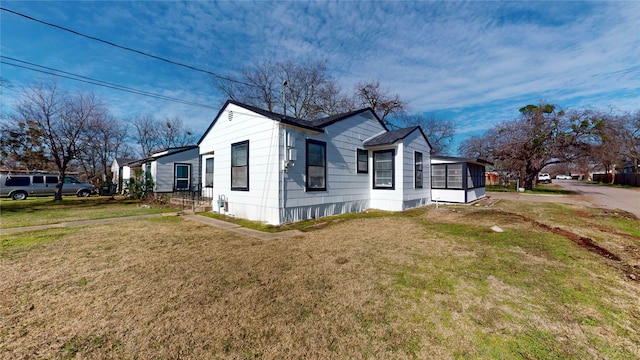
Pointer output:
x,y
19,187
544,177
563,177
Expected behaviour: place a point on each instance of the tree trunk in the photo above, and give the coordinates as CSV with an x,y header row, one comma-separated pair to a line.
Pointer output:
x,y
57,195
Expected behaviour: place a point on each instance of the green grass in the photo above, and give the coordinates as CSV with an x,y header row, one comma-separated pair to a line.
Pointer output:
x,y
423,283
42,211
540,189
304,225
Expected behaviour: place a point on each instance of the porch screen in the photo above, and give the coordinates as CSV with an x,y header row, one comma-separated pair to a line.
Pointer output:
x,y
439,176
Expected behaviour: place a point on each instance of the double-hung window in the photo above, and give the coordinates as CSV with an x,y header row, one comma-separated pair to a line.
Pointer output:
x,y
418,169
182,176
383,169
240,166
316,165
208,177
363,161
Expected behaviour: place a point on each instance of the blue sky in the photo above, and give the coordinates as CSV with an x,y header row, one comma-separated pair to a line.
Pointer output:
x,y
475,62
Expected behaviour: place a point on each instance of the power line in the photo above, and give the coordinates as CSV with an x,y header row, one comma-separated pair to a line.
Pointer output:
x,y
125,48
88,80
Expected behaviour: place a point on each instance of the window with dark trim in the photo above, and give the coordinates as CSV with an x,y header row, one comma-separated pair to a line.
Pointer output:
x,y
208,177
384,169
417,158
362,161
182,176
240,166
147,172
316,165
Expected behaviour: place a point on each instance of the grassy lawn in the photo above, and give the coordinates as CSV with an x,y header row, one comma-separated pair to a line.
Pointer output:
x,y
423,284
549,189
43,210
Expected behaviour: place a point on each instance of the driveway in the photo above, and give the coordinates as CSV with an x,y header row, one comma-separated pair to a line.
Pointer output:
x,y
605,196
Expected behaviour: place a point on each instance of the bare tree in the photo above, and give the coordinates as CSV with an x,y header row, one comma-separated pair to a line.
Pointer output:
x,y
439,131
383,103
541,136
104,140
59,119
173,133
152,134
630,138
147,133
302,90
258,85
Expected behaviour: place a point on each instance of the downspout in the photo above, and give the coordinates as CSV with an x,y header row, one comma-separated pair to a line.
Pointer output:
x,y
282,147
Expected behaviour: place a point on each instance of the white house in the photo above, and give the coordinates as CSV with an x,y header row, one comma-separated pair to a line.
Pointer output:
x,y
173,169
118,169
267,167
457,180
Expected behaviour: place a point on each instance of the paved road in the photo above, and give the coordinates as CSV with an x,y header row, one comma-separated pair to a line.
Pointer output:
x,y
605,196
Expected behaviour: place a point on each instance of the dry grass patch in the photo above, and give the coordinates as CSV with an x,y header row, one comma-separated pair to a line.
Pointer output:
x,y
423,284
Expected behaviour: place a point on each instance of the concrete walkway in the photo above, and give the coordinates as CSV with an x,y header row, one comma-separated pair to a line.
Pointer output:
x,y
202,219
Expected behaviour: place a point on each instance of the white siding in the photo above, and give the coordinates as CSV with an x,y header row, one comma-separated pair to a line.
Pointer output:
x,y
412,197
126,175
448,195
346,190
261,201
387,199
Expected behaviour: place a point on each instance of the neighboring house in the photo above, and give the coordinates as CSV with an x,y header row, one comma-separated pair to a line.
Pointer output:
x,y
173,169
457,180
117,168
272,168
128,172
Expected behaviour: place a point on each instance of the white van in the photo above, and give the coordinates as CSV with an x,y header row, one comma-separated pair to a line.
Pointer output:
x,y
19,187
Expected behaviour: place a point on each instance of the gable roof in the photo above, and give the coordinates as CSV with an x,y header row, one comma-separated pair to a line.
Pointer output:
x,y
177,150
289,120
391,137
366,112
123,161
314,125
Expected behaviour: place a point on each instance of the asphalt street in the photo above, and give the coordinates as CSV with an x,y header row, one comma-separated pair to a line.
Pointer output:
x,y
604,196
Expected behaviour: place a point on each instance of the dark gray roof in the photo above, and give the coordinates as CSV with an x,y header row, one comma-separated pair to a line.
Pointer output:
x,y
366,112
391,137
315,125
453,159
177,150
268,114
122,161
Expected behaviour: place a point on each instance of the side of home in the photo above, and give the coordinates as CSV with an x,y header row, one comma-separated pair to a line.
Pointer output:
x,y
267,167
174,169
